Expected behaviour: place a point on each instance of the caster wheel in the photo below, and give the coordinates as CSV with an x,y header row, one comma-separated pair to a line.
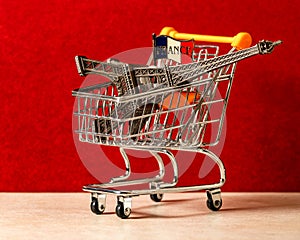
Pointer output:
x,y
95,206
121,212
214,205
156,197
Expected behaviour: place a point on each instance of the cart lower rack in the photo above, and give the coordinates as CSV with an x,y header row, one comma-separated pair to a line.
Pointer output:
x,y
157,109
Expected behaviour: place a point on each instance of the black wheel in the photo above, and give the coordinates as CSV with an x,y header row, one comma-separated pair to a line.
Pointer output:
x,y
214,205
156,197
121,212
95,206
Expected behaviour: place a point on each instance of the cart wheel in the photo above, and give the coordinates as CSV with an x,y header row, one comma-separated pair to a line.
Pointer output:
x,y
214,205
156,197
95,206
121,212
214,200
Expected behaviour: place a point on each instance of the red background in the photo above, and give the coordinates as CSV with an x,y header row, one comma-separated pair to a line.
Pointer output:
x,y
39,40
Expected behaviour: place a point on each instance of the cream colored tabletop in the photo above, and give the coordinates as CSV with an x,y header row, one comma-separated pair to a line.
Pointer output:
x,y
178,216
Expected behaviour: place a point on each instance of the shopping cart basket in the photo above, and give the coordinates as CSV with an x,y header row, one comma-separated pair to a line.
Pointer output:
x,y
159,109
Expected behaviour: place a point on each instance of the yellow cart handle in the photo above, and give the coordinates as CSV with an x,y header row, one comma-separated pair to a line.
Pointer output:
x,y
240,41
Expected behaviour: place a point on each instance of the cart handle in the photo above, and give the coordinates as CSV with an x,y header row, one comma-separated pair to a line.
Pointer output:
x,y
240,41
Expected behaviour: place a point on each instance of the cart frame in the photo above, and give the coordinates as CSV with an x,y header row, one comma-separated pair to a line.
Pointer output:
x,y
158,118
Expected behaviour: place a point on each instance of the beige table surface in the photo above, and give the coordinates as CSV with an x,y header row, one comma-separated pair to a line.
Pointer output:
x,y
178,216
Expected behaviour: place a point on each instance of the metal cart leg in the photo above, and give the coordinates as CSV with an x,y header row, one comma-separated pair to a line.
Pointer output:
x,y
220,164
157,197
214,199
175,170
157,184
127,166
161,165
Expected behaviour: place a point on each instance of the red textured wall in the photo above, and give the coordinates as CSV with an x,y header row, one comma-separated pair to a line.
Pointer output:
x,y
39,40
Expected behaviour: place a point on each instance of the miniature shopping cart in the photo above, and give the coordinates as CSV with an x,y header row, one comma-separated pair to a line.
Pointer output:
x,y
164,106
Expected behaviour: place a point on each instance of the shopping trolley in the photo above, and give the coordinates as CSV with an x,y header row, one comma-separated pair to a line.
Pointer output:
x,y
160,108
